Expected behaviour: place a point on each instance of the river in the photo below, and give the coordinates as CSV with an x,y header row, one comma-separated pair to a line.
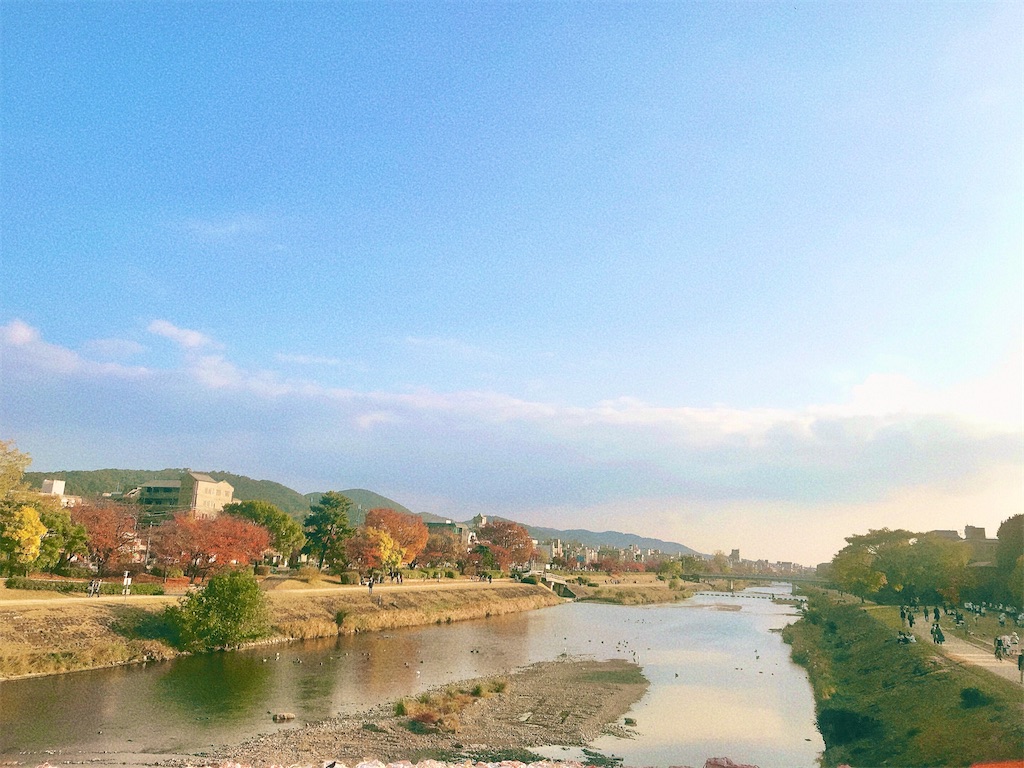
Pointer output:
x,y
721,684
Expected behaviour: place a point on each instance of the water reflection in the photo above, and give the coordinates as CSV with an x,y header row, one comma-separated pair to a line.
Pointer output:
x,y
722,683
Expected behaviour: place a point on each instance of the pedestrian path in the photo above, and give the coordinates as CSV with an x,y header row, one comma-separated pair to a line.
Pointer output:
x,y
967,653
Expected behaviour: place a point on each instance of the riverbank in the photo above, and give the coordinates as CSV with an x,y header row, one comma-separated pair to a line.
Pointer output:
x,y
564,702
41,636
880,702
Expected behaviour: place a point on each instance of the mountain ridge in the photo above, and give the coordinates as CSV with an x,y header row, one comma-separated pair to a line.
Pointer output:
x,y
99,481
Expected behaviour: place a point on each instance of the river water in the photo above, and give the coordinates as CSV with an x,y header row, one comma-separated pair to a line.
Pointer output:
x,y
721,684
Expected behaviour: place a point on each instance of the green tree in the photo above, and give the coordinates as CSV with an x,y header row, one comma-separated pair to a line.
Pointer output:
x,y
21,533
1010,557
327,528
880,559
63,540
229,611
285,533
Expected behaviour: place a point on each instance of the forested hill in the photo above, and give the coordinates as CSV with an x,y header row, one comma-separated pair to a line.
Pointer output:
x,y
100,481
92,483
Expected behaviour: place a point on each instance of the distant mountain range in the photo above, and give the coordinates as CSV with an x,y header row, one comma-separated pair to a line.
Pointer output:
x,y
97,482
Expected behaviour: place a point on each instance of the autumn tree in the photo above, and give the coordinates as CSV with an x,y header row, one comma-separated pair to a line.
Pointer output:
x,y
21,533
13,464
327,528
110,531
510,536
372,549
442,549
408,530
286,534
200,546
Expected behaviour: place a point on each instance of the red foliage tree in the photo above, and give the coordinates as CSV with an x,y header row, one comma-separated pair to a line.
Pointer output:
x,y
409,531
110,531
509,536
200,546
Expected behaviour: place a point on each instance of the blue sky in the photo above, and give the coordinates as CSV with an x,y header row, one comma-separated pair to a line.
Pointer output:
x,y
737,275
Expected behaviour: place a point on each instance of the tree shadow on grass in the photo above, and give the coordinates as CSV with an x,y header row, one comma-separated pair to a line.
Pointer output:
x,y
140,624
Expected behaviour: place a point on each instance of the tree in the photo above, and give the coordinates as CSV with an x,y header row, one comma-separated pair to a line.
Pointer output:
x,y
512,537
371,549
441,549
110,530
20,535
940,568
1010,557
229,611
327,528
202,546
878,560
408,530
13,464
64,538
285,533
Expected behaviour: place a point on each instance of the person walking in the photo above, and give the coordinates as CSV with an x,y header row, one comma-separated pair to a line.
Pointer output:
x,y
1020,665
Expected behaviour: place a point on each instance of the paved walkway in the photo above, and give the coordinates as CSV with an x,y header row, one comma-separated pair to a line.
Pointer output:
x,y
965,652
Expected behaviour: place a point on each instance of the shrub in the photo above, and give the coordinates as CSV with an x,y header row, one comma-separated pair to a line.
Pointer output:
x,y
339,617
350,577
308,573
449,574
262,570
973,697
229,611
841,726
529,580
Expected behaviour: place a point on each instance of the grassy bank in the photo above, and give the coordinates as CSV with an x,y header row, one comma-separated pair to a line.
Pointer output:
x,y
70,634
881,703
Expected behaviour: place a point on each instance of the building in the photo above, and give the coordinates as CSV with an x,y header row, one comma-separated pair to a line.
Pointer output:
x,y
459,531
195,492
56,488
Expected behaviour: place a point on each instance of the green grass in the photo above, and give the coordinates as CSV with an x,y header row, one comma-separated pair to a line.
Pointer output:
x,y
881,703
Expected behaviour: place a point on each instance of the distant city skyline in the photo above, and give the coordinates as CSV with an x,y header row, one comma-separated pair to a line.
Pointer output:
x,y
731,275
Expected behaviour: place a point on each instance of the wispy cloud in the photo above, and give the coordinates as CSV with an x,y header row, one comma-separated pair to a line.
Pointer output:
x,y
485,450
183,337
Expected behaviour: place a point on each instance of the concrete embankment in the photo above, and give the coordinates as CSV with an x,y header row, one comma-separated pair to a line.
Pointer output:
x,y
67,634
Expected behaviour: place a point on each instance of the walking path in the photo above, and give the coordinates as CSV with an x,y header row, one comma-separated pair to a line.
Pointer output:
x,y
965,652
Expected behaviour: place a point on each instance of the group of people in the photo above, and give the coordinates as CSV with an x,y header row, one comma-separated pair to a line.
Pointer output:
x,y
94,587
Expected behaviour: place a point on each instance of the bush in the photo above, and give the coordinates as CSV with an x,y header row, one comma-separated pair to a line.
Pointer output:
x,y
529,580
107,588
449,574
350,577
262,570
841,726
229,611
170,572
308,573
973,697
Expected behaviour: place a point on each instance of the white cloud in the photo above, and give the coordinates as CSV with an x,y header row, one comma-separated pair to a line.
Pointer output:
x,y
183,337
22,346
674,472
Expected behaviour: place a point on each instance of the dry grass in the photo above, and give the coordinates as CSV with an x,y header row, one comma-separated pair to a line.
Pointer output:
x,y
316,615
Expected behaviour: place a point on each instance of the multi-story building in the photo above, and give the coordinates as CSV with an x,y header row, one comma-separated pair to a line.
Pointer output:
x,y
195,492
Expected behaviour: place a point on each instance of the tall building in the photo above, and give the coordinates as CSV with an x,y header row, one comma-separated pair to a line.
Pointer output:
x,y
195,492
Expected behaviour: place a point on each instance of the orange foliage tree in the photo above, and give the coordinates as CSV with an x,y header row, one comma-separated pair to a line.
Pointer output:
x,y
409,531
110,532
200,546
442,549
512,537
370,549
